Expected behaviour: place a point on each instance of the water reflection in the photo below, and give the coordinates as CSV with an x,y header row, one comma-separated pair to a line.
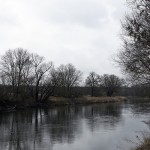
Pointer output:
x,y
49,129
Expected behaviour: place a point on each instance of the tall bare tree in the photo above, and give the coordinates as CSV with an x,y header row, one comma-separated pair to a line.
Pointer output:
x,y
134,56
13,66
38,78
69,77
92,81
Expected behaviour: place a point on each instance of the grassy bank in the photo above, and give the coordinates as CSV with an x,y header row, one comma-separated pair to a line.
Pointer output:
x,y
57,101
85,100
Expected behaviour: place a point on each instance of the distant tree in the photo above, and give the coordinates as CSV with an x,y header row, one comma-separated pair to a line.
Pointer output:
x,y
134,56
92,81
111,83
14,66
68,77
55,78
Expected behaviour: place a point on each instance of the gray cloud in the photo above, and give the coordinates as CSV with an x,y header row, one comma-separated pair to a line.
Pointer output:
x,y
87,13
81,32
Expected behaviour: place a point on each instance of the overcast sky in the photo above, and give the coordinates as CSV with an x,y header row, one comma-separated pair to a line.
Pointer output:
x,y
82,32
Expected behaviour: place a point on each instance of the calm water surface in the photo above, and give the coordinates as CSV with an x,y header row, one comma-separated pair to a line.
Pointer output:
x,y
91,127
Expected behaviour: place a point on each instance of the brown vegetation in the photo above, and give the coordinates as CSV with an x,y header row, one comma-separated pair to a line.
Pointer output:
x,y
85,100
144,146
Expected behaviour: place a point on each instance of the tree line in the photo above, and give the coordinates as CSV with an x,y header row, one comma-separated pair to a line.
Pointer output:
x,y
26,75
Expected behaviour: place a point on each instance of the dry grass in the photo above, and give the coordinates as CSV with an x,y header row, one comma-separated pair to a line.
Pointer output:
x,y
102,99
86,100
145,145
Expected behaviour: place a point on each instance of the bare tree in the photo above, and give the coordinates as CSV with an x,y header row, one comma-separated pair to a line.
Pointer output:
x,y
92,81
51,82
111,83
68,77
13,66
38,78
134,56
26,73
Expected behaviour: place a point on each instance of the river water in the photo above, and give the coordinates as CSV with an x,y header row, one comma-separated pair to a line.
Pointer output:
x,y
113,126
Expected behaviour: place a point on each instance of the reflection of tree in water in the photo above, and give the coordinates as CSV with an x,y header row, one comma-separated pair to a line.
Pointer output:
x,y
32,129
103,115
13,127
63,124
139,106
20,131
37,129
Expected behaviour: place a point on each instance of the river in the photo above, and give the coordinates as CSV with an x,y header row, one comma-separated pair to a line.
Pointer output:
x,y
111,126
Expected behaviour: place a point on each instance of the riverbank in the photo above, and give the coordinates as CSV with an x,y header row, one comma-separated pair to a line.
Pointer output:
x,y
58,101
84,100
